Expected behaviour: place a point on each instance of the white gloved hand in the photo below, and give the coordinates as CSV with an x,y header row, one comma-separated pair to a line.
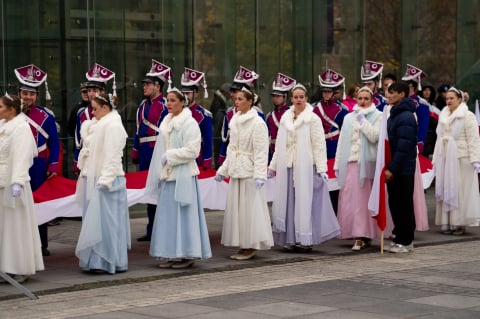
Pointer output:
x,y
163,159
219,177
16,190
324,176
270,173
259,183
360,117
476,167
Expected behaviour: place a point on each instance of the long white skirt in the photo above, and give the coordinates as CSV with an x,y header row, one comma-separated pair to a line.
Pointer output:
x,y
20,248
246,222
468,210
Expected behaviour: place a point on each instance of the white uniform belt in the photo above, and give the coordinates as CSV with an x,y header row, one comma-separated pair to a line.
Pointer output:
x,y
331,134
42,148
148,139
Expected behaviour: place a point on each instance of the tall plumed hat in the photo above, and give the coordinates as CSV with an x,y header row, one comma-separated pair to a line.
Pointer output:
x,y
191,81
98,76
331,79
371,71
282,84
414,74
160,73
31,77
244,77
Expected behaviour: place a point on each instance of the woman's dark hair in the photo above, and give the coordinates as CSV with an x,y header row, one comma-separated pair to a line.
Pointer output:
x,y
457,92
12,101
249,95
178,94
351,89
106,99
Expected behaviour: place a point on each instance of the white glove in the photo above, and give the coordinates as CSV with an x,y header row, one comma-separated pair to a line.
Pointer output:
x,y
270,173
360,117
259,183
219,177
163,159
324,177
16,190
476,167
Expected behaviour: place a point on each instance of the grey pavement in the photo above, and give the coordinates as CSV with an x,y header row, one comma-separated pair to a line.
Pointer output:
x,y
440,279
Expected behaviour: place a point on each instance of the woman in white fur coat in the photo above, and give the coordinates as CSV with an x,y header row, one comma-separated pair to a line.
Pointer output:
x,y
355,166
302,211
105,235
246,221
179,234
20,248
456,161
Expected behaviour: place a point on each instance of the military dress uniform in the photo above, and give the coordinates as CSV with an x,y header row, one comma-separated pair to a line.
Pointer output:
x,y
150,115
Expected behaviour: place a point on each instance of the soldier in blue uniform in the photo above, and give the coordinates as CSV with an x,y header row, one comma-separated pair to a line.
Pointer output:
x,y
97,78
413,77
371,75
280,88
44,129
243,78
332,112
190,84
150,114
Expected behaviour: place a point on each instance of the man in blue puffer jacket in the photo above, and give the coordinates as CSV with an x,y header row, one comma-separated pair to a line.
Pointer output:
x,y
402,131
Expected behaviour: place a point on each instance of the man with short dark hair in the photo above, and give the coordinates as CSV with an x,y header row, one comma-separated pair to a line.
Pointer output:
x,y
402,136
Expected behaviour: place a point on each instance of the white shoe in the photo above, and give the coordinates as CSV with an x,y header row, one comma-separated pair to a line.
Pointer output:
x,y
398,248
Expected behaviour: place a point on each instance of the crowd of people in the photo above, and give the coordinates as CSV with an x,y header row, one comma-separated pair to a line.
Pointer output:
x,y
292,144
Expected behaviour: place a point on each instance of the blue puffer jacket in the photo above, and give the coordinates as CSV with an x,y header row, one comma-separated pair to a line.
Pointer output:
x,y
402,135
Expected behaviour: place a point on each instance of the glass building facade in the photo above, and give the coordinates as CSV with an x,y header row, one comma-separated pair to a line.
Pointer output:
x,y
299,38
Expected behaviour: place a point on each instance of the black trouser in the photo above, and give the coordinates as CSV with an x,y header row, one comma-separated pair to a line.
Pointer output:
x,y
151,209
43,231
400,201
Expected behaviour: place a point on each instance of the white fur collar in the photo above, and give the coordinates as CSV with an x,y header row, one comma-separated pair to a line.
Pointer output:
x,y
291,124
241,118
446,116
365,110
8,127
171,122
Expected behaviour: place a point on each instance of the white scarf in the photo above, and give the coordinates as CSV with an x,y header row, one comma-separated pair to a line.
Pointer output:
x,y
446,156
302,174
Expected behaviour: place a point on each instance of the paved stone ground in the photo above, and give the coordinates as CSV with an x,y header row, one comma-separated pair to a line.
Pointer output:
x,y
441,279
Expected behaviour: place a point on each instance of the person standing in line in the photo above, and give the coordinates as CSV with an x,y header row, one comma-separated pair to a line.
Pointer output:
x,y
180,233
280,86
302,212
218,109
150,114
105,234
84,102
190,84
351,99
456,161
44,129
413,76
97,78
246,220
20,247
243,78
399,174
355,164
388,79
331,112
371,75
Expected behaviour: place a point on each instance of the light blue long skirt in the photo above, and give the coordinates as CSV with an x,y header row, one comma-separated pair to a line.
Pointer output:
x,y
105,235
179,231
